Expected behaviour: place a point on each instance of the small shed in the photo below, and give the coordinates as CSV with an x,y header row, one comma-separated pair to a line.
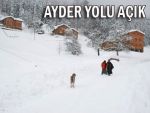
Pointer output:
x,y
137,41
11,22
109,45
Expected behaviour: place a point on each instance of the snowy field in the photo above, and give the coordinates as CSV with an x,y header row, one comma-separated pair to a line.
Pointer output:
x,y
35,71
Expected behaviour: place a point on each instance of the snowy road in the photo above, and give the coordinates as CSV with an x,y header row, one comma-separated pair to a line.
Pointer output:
x,y
34,78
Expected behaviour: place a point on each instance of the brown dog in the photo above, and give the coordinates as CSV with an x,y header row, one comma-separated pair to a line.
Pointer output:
x,y
72,80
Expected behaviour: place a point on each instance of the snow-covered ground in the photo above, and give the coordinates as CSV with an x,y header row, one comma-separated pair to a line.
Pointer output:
x,y
35,71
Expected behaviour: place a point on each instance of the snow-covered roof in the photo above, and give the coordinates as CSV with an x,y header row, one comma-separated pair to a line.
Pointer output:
x,y
74,29
3,17
55,27
133,30
19,19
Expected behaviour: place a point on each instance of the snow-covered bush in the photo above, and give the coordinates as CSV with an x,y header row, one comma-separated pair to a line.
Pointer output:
x,y
73,46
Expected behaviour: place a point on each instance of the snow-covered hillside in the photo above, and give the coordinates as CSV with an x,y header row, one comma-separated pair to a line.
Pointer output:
x,y
35,71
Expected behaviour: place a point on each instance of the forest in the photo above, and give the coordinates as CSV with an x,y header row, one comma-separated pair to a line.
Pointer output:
x,y
98,30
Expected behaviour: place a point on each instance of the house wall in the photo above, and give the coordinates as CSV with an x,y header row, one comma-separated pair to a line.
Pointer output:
x,y
18,24
11,23
108,45
60,30
75,33
137,41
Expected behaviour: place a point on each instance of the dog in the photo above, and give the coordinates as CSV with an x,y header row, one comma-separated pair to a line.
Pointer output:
x,y
72,80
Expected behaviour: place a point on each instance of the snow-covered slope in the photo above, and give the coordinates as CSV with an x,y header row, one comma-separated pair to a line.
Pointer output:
x,y
35,71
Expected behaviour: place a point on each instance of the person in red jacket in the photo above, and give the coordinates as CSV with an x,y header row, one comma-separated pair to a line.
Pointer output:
x,y
104,67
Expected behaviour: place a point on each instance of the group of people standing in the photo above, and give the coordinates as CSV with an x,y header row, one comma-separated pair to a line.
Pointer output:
x,y
107,67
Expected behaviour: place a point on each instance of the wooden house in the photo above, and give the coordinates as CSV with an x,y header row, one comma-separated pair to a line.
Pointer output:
x,y
11,22
109,45
75,33
65,30
137,40
60,29
133,40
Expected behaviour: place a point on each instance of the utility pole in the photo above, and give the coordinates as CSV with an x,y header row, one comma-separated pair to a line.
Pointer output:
x,y
59,47
34,33
34,19
98,51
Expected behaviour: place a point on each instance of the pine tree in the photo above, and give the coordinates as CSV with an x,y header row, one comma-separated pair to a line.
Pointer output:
x,y
73,46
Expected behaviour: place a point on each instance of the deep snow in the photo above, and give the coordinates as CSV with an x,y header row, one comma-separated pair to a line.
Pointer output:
x,y
34,77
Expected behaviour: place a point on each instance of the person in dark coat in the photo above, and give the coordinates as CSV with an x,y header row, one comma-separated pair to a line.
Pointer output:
x,y
98,52
104,66
109,67
72,80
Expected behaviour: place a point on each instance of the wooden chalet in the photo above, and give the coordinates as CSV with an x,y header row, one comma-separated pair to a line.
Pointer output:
x,y
65,30
60,29
137,40
11,22
109,45
134,40
75,33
